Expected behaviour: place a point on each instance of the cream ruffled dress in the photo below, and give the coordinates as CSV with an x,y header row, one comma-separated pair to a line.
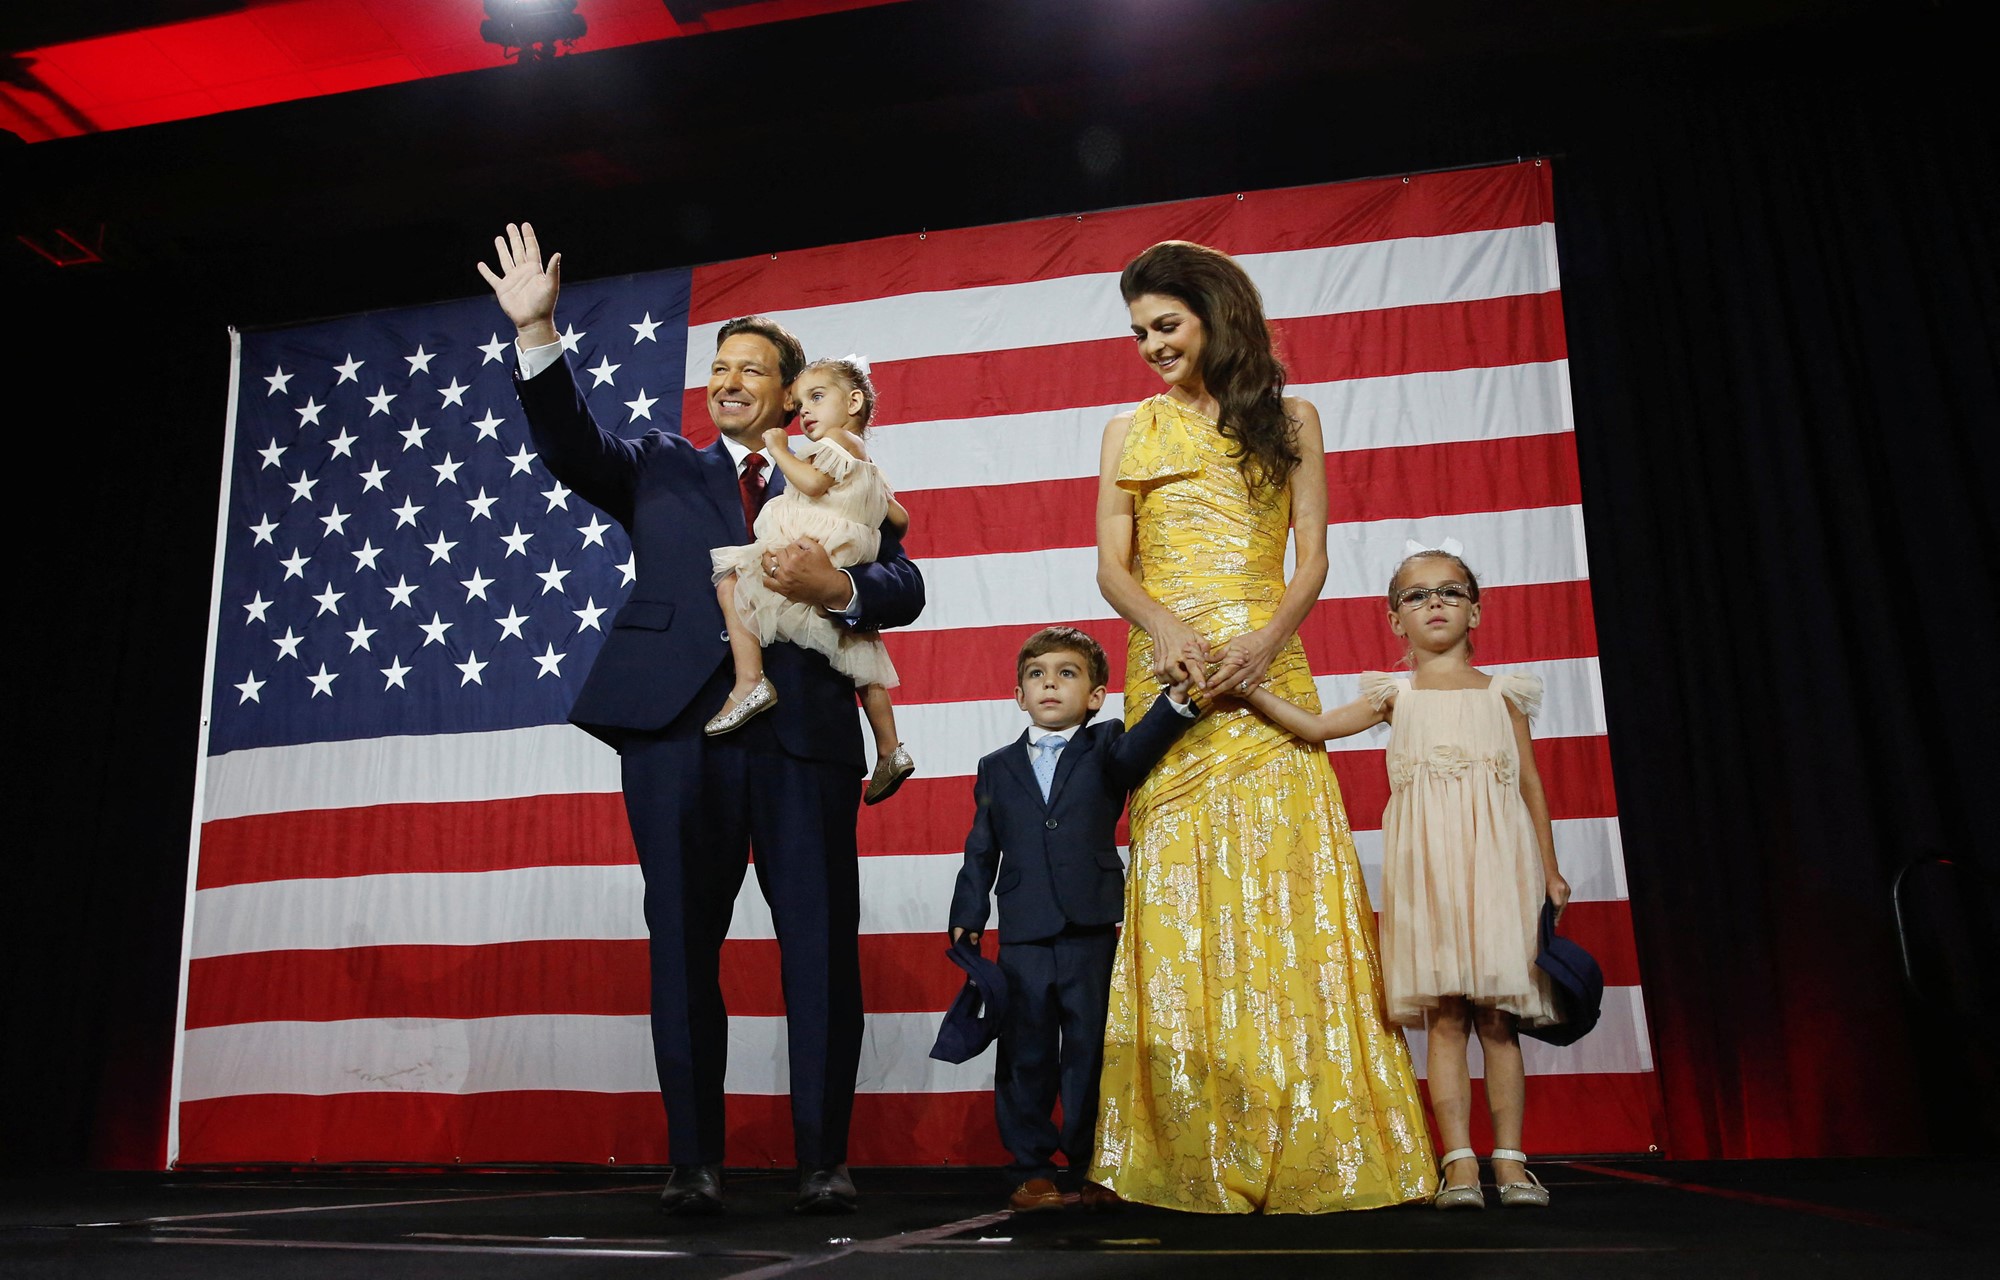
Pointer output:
x,y
847,521
1462,881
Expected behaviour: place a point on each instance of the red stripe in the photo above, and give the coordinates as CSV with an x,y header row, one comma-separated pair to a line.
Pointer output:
x,y
1575,1114
1259,222
562,1127
1576,773
932,815
1410,482
900,973
1538,622
473,835
1486,333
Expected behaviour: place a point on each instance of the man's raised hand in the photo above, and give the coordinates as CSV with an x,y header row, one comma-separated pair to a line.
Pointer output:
x,y
525,290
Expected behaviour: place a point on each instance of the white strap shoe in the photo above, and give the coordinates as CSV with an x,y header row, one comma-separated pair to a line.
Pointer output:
x,y
1530,1194
1462,1197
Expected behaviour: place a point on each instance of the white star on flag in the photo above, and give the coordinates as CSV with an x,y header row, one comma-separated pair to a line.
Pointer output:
x,y
489,427
434,629
521,462
329,601
440,550
343,444
310,413
475,585
395,672
482,506
335,521
407,513
270,454
278,379
348,370
288,645
558,497
603,372
256,608
593,533
251,684
365,557
296,566
550,663
471,668
511,624
373,477
414,437
588,615
447,470
629,571
517,542
644,329
400,593
263,530
302,488
454,394
495,350
553,579
361,634
570,338
642,407
421,360
379,402
323,682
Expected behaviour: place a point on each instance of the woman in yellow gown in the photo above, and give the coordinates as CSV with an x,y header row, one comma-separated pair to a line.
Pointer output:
x,y
1248,1065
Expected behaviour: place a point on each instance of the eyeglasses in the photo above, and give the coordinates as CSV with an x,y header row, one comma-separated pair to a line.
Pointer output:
x,y
1451,595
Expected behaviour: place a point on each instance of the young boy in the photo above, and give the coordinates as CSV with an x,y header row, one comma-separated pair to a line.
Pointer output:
x,y
1046,827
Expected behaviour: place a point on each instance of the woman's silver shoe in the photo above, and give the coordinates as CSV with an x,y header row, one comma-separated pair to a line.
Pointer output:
x,y
1448,1197
890,771
1530,1194
761,698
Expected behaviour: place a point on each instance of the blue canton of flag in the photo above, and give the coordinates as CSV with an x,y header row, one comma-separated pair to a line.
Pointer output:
x,y
397,558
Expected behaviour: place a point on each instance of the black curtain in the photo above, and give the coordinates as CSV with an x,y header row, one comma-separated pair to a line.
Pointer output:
x,y
1784,312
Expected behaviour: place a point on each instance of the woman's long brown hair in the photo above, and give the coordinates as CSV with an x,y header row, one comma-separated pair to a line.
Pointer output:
x,y
1239,367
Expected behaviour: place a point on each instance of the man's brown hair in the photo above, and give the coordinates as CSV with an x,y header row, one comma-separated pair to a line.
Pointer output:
x,y
791,352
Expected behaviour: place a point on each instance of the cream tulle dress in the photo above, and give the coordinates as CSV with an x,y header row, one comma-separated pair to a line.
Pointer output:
x,y
847,521
1462,882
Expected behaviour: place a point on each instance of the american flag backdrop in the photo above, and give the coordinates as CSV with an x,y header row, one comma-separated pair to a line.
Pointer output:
x,y
414,930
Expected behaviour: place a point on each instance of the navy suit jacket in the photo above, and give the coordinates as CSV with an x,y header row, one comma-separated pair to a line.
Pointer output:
x,y
677,502
1056,861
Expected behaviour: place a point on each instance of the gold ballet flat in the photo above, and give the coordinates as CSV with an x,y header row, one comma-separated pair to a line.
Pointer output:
x,y
890,771
1449,1197
761,698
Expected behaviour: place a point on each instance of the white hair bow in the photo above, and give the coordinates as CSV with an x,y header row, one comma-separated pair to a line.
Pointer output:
x,y
859,362
1450,546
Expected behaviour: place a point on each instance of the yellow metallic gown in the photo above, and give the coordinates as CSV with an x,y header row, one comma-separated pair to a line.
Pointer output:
x,y
1248,1065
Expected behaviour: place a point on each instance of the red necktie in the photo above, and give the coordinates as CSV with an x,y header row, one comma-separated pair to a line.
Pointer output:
x,y
752,484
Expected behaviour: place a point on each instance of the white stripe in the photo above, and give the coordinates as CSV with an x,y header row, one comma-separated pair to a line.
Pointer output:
x,y
1618,1045
1356,413
1412,271
613,1054
563,760
900,893
550,759
1030,588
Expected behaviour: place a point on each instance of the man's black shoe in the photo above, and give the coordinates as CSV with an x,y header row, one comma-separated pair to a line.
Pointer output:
x,y
693,1190
827,1189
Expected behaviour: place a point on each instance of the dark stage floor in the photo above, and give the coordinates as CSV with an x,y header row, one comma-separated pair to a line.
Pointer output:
x,y
1639,1219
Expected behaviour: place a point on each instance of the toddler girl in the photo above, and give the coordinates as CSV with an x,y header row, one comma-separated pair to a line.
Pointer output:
x,y
1467,858
836,495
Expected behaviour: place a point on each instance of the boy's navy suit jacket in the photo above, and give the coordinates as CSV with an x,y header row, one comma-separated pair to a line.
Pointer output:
x,y
1056,861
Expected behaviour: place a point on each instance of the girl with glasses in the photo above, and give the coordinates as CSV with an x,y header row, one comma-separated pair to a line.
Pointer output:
x,y
1467,857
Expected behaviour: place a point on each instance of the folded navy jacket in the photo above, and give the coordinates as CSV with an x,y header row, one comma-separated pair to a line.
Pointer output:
x,y
973,1020
1575,980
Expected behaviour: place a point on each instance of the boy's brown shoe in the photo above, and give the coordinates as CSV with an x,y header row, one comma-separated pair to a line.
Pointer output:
x,y
1035,1194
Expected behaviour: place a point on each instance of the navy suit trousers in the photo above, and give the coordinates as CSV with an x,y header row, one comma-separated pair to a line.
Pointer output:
x,y
1052,1044
700,808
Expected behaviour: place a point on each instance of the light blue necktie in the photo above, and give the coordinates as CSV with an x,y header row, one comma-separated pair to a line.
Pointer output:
x,y
1045,761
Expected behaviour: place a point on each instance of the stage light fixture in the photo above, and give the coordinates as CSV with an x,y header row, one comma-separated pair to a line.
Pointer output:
x,y
529,30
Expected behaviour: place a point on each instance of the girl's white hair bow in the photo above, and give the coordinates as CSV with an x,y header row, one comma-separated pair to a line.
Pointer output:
x,y
859,362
